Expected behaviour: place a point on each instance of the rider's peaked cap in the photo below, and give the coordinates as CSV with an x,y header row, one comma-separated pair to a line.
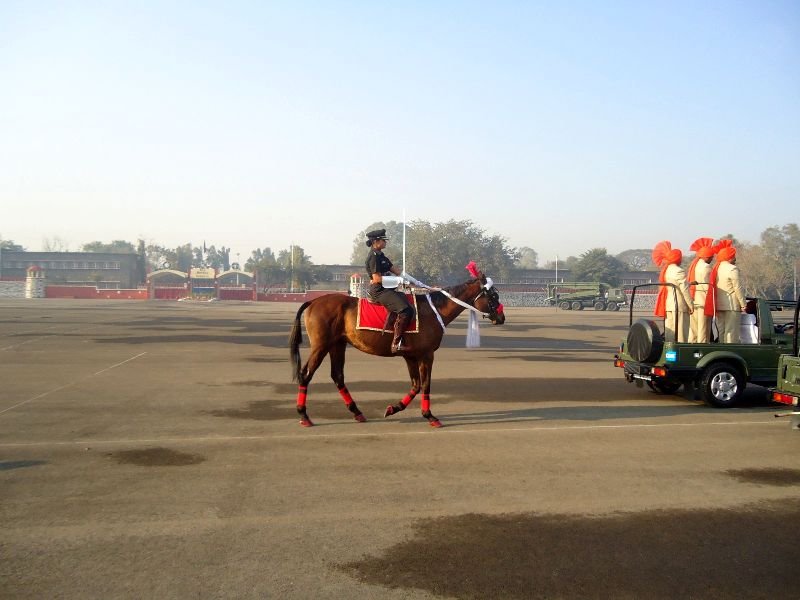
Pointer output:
x,y
377,234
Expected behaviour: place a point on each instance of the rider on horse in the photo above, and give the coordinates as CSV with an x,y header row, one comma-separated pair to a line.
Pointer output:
x,y
378,265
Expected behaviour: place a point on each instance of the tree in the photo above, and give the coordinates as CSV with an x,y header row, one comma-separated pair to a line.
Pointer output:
x,y
769,269
598,265
10,245
638,259
299,269
116,247
219,259
437,253
394,231
528,258
55,244
566,264
266,269
761,275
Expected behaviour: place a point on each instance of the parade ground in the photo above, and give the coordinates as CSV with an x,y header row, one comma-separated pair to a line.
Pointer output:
x,y
152,450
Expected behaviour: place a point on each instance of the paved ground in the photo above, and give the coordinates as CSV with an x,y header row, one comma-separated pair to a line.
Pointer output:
x,y
151,450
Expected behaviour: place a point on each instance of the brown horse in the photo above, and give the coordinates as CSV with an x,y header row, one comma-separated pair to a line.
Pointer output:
x,y
330,322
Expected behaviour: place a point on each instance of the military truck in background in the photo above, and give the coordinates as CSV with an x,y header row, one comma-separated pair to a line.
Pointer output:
x,y
787,390
577,295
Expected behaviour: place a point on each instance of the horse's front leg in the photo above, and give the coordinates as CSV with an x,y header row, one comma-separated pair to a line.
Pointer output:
x,y
337,374
425,369
413,371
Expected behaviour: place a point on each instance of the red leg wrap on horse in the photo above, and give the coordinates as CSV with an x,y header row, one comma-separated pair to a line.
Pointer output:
x,y
408,398
345,394
425,404
301,395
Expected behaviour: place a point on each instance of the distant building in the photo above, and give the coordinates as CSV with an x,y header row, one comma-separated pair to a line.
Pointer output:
x,y
104,270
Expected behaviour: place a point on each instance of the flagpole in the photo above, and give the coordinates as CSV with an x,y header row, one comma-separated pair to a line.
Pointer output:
x,y
404,240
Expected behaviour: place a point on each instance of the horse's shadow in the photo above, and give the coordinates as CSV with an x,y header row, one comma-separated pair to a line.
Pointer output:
x,y
593,413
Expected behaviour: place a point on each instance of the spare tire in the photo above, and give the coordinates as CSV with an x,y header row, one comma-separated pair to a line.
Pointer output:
x,y
645,341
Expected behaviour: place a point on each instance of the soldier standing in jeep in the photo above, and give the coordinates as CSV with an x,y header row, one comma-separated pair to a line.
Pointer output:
x,y
699,273
726,297
676,325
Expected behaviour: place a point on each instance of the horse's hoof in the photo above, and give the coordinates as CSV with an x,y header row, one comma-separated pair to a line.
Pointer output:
x,y
389,411
435,423
306,423
360,418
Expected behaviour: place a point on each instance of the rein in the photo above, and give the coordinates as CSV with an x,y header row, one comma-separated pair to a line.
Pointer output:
x,y
465,305
484,287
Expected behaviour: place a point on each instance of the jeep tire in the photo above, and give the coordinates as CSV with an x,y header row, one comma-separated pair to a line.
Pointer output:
x,y
722,385
645,341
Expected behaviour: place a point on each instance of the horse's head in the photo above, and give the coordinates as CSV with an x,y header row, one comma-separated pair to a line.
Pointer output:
x,y
488,300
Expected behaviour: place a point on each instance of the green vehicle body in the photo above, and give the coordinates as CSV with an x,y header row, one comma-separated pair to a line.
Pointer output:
x,y
577,295
719,371
787,390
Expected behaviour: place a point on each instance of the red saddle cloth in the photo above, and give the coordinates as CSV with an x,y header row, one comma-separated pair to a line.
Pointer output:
x,y
373,316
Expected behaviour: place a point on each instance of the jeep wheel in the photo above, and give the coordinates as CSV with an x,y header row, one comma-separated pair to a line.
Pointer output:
x,y
645,341
722,385
564,305
599,306
577,306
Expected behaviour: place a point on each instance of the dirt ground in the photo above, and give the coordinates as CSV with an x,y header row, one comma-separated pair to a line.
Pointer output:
x,y
151,450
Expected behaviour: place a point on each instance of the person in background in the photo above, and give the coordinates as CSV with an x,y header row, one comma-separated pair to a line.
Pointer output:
x,y
699,273
379,265
676,324
726,297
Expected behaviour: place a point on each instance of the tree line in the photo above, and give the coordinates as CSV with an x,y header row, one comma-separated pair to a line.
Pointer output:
x,y
437,253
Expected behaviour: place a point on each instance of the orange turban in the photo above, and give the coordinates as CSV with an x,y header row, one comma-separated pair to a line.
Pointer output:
x,y
664,255
704,249
726,253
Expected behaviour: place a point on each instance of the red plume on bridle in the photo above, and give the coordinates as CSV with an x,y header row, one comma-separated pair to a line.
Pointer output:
x,y
473,269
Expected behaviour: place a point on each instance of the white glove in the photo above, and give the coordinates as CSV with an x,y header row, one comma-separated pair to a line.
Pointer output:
x,y
390,281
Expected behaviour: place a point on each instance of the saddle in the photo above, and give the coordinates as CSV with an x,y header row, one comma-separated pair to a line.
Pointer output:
x,y
377,317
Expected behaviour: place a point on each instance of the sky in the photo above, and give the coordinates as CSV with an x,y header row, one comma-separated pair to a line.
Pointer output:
x,y
560,126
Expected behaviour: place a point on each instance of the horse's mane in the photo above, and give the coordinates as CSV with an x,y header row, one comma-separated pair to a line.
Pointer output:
x,y
439,299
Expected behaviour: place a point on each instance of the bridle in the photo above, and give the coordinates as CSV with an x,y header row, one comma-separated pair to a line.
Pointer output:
x,y
492,299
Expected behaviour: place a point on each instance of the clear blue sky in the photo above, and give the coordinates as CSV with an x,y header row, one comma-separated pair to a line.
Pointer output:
x,y
562,126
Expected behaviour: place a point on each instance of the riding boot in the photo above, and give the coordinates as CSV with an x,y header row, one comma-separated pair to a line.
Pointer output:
x,y
399,326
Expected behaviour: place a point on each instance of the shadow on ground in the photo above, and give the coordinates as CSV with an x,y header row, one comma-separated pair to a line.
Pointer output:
x,y
747,552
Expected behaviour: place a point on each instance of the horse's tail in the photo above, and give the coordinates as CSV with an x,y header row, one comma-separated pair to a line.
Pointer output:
x,y
295,339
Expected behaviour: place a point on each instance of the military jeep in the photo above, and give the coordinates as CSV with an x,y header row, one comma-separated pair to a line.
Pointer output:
x,y
719,372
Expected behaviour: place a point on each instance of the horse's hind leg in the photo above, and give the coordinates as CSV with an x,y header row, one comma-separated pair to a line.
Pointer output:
x,y
306,374
337,374
413,371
